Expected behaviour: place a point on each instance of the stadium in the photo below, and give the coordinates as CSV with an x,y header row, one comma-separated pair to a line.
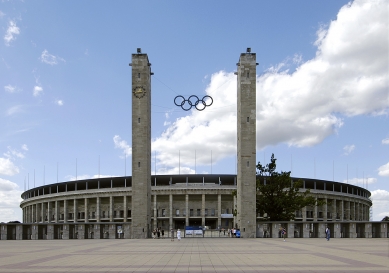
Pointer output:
x,y
131,207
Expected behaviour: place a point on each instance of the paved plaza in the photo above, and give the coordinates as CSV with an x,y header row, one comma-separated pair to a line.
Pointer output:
x,y
196,255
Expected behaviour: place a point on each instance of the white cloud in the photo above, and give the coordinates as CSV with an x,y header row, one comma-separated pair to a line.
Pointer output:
x,y
11,32
59,102
1,14
361,182
348,149
12,153
6,185
385,141
7,167
50,59
380,200
10,89
122,144
14,110
384,170
175,170
37,90
347,77
9,201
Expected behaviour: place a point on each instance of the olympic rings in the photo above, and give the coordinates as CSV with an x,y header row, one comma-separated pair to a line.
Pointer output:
x,y
193,100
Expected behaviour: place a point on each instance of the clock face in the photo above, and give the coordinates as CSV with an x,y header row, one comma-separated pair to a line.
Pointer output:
x,y
139,92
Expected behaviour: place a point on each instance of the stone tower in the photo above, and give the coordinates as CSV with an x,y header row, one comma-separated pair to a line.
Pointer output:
x,y
141,145
246,121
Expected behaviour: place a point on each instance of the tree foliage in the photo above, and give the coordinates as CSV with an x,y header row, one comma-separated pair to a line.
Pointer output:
x,y
385,219
280,197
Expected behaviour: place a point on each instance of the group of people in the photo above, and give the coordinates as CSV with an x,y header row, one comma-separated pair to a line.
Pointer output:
x,y
172,234
158,232
232,232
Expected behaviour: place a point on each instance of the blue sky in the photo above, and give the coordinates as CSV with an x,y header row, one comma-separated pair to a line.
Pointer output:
x,y
65,89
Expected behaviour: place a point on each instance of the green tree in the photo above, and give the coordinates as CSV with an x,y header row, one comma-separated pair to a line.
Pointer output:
x,y
385,219
280,197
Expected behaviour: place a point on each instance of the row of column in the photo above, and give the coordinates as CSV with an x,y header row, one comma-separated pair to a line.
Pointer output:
x,y
219,207
341,210
44,212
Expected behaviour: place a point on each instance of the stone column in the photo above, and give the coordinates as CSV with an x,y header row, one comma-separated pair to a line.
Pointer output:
x,y
187,209
125,208
98,209
37,213
170,211
56,214
111,208
155,214
325,209
219,210
246,141
48,212
203,209
304,212
65,211
43,210
333,209
315,208
342,211
32,213
86,219
75,211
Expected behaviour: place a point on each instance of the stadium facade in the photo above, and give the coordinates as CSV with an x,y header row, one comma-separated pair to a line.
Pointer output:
x,y
132,206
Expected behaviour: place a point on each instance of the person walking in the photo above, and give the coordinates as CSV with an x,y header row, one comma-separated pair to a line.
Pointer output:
x,y
163,234
178,234
172,234
283,233
328,233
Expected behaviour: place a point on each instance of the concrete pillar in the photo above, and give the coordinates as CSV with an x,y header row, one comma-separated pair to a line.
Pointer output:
x,y
325,210
342,210
98,209
219,210
43,212
170,212
37,213
155,212
56,212
315,208
65,211
86,219
125,208
187,209
49,216
203,209
141,146
304,212
234,211
75,210
111,208
246,146
334,209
